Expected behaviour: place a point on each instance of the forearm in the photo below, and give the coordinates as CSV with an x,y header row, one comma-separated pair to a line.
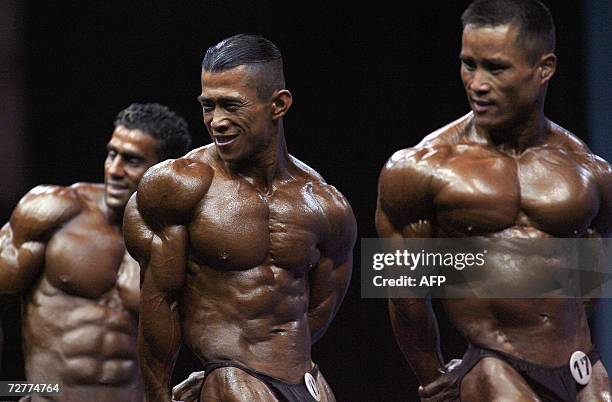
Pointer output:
x,y
416,332
158,344
160,335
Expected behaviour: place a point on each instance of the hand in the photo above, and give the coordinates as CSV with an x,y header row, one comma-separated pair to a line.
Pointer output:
x,y
445,388
188,390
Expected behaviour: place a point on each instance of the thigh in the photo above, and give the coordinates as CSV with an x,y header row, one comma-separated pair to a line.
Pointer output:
x,y
230,384
326,393
598,389
494,380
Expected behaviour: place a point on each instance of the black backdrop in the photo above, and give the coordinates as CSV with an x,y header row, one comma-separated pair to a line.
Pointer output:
x,y
366,79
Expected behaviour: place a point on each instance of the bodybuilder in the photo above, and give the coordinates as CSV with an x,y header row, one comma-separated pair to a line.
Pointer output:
x,y
502,171
246,251
63,251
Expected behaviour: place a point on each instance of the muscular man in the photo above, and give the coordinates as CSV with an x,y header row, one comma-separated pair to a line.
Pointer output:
x,y
503,171
246,251
63,251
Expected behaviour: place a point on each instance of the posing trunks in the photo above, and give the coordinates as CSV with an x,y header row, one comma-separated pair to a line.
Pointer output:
x,y
284,391
550,383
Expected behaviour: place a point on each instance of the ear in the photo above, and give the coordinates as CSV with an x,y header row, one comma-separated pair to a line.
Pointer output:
x,y
281,102
547,66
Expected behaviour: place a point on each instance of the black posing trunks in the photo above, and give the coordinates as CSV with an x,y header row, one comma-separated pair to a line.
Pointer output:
x,y
552,384
284,391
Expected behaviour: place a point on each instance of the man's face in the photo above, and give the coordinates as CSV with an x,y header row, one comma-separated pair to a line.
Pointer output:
x,y
502,86
237,120
130,154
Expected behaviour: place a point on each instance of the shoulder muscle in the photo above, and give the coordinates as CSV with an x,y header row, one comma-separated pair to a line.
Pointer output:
x,y
42,210
405,180
170,190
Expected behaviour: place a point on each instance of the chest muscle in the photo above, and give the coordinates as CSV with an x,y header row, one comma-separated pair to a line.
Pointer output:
x,y
238,228
83,258
544,189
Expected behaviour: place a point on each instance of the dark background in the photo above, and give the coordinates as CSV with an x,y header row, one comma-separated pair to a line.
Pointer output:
x,y
366,80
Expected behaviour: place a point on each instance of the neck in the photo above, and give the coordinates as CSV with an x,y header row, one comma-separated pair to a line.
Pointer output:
x,y
114,216
267,166
517,137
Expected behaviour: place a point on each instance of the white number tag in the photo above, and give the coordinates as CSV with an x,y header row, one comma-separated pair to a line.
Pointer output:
x,y
311,384
581,368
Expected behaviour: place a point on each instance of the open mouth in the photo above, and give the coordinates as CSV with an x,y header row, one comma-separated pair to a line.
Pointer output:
x,y
225,139
481,106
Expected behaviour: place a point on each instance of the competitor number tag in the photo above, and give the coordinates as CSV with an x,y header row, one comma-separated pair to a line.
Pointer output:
x,y
581,368
311,385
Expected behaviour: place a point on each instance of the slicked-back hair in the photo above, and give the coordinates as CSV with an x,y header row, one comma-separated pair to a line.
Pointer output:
x,y
160,122
536,28
255,52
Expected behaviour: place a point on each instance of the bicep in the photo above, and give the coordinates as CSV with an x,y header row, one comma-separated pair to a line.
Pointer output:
x,y
603,220
600,173
168,259
384,225
157,215
159,323
137,234
416,225
328,283
20,259
330,277
341,274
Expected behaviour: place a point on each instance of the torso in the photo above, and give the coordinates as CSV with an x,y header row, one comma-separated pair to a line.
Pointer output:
x,y
544,188
547,191
246,296
80,318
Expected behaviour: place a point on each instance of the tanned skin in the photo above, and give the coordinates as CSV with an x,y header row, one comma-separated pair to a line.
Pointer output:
x,y
246,251
502,171
63,252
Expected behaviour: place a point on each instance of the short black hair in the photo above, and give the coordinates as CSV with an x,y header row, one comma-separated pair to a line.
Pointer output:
x,y
253,51
160,122
532,18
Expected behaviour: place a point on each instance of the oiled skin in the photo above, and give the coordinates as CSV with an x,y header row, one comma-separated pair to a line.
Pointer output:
x,y
236,273
456,183
503,172
80,296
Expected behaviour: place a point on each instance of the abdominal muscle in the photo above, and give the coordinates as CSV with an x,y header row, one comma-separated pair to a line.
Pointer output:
x,y
80,343
544,331
256,317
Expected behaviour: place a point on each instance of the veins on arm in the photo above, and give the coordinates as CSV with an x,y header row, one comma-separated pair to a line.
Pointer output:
x,y
155,227
404,210
137,235
329,280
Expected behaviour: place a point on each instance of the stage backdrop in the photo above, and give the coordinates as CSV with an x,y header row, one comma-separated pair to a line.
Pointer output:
x,y
367,80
